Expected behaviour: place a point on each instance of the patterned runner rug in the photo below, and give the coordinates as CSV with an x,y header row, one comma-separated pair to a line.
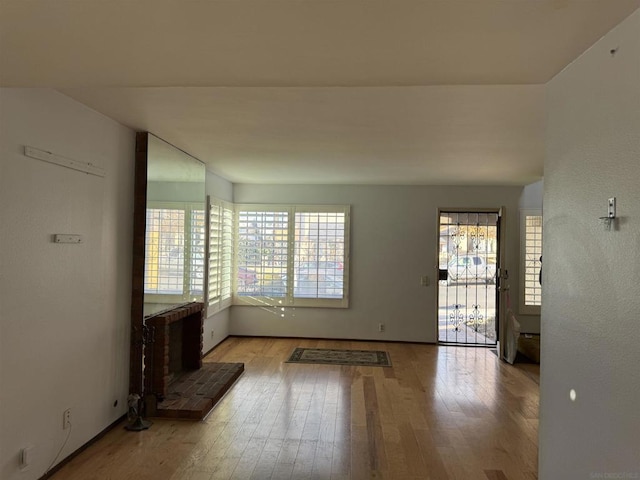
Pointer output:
x,y
364,358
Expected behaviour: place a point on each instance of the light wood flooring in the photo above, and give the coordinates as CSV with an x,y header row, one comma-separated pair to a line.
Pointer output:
x,y
439,413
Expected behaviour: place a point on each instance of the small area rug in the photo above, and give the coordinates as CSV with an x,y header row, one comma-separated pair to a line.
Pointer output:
x,y
363,358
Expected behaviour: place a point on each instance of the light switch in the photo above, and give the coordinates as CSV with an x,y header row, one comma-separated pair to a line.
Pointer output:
x,y
26,457
424,280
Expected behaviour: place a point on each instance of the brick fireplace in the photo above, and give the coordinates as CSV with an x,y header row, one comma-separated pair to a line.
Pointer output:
x,y
176,347
177,384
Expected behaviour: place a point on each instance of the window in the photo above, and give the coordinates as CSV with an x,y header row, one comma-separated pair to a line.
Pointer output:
x,y
531,254
197,247
175,236
319,254
292,255
262,253
220,255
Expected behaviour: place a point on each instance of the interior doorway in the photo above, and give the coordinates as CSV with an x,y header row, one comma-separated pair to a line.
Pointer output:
x,y
468,277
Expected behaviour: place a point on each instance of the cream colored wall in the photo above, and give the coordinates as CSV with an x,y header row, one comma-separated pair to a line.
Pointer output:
x,y
393,243
590,329
64,309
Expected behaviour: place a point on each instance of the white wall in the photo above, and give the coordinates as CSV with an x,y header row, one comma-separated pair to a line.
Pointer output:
x,y
532,195
175,192
64,309
219,187
216,327
590,328
531,199
393,243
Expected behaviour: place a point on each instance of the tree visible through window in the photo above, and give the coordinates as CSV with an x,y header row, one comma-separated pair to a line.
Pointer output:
x,y
319,254
164,258
174,257
263,252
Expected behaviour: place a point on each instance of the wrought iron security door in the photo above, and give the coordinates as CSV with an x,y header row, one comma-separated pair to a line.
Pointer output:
x,y
468,270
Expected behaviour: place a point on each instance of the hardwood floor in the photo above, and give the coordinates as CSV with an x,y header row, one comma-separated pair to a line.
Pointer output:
x,y
439,413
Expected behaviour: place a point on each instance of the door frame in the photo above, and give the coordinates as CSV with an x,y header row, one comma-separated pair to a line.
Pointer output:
x,y
501,276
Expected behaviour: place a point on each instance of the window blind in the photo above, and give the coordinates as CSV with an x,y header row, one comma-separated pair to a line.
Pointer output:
x,y
530,253
220,255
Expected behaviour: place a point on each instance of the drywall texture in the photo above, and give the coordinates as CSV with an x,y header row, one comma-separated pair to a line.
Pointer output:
x,y
531,199
590,333
216,326
393,243
64,309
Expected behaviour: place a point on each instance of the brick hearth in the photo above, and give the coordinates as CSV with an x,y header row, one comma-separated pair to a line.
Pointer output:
x,y
177,384
194,394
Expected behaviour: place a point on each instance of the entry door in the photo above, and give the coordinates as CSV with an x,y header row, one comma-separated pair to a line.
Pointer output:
x,y
468,271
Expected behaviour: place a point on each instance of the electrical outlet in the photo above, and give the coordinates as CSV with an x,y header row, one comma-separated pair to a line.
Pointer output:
x,y
66,419
211,334
381,327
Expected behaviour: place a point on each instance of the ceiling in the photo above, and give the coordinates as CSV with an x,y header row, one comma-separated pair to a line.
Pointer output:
x,y
316,91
